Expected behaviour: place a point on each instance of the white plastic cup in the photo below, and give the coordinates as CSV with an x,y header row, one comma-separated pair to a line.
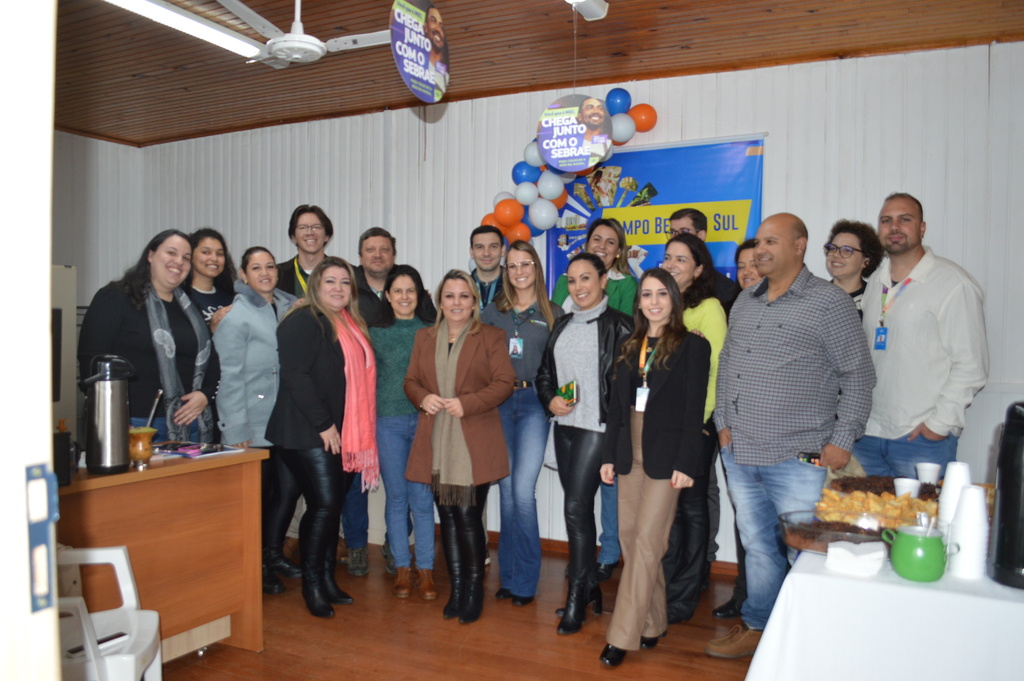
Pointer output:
x,y
907,486
968,535
958,475
928,473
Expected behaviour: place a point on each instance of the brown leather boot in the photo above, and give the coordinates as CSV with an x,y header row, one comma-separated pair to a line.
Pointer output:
x,y
427,590
402,587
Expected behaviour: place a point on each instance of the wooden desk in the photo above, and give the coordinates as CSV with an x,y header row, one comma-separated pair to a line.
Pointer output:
x,y
192,528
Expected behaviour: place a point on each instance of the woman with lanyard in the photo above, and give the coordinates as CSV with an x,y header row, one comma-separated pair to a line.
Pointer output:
x,y
688,262
325,411
523,311
147,318
573,383
607,240
407,311
310,230
458,375
653,444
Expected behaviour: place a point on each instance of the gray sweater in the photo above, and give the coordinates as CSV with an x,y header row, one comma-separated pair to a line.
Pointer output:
x,y
576,358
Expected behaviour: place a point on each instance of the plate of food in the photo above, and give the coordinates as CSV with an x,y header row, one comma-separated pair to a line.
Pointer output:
x,y
804,531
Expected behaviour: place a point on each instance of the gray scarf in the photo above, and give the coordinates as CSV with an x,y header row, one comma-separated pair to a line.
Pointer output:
x,y
451,467
163,344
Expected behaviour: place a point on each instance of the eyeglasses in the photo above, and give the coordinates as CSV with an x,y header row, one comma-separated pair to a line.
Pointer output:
x,y
309,228
516,266
844,251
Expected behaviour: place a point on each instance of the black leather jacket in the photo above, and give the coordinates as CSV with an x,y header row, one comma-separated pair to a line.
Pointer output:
x,y
613,328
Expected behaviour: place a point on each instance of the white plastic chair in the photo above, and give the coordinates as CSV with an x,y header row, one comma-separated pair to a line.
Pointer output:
x,y
109,645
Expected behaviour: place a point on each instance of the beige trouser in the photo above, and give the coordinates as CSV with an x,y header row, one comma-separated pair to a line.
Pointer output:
x,y
646,510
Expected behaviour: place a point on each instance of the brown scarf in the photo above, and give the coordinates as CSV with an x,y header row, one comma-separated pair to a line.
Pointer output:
x,y
451,467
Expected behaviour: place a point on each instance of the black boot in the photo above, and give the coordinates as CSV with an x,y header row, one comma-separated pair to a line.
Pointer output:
x,y
275,562
334,593
581,594
474,555
271,584
314,593
472,603
453,557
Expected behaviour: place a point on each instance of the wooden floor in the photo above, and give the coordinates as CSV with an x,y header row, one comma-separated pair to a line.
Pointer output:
x,y
384,638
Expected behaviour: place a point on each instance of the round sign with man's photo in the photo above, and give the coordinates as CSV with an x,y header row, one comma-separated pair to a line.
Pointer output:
x,y
420,48
574,133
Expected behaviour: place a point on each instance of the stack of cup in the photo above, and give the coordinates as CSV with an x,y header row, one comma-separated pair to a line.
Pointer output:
x,y
958,475
968,534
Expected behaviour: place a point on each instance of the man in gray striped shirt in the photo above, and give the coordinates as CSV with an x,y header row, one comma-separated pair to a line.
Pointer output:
x,y
794,382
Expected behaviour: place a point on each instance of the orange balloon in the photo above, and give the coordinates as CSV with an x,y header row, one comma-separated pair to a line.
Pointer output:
x,y
560,201
508,212
517,232
585,171
490,220
644,116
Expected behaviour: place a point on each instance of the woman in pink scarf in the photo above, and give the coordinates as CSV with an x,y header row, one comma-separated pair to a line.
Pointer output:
x,y
324,418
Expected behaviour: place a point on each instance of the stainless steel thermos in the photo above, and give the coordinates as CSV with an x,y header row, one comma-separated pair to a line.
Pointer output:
x,y
1006,549
107,421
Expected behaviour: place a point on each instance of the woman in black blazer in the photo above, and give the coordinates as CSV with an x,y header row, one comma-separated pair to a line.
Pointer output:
x,y
653,444
308,421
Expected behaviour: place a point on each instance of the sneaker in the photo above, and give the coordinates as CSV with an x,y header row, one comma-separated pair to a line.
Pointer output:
x,y
487,557
358,562
741,641
389,559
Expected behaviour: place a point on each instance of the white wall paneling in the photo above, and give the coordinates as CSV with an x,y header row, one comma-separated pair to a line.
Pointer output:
x,y
944,125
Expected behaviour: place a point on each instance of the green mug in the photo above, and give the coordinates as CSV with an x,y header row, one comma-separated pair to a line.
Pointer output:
x,y
917,553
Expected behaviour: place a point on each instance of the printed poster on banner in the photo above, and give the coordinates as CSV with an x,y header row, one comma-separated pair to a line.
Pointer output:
x,y
420,48
574,133
642,187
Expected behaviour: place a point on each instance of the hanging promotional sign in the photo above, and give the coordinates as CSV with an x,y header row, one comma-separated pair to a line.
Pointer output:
x,y
641,188
574,133
420,48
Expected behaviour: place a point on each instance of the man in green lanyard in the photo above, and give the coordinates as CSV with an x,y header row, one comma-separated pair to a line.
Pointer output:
x,y
310,230
925,323
487,248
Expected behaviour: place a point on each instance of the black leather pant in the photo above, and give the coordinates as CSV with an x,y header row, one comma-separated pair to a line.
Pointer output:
x,y
463,537
688,542
324,485
280,492
578,453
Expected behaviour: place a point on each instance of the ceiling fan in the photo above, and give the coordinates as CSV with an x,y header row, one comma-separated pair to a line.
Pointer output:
x,y
296,46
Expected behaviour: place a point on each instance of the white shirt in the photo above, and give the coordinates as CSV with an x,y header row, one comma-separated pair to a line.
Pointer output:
x,y
936,356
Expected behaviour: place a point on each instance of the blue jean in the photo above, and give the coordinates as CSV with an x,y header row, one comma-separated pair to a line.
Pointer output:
x,y
525,426
609,539
899,457
160,423
760,494
394,440
355,515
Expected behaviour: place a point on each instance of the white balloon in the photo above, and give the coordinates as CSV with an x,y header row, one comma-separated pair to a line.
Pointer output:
x,y
569,178
501,196
531,154
526,193
623,128
543,214
550,185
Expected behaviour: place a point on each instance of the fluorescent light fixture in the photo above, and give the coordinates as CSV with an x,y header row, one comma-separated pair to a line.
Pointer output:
x,y
591,10
193,24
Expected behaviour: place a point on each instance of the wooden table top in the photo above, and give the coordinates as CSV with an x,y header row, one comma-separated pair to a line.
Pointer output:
x,y
160,467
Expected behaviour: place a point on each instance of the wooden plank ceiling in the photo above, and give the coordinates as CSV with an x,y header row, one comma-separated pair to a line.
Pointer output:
x,y
124,78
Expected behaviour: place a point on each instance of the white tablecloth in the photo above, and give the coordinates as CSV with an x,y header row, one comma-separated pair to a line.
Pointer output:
x,y
829,627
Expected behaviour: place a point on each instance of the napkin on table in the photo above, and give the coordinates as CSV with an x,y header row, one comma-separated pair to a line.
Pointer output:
x,y
862,560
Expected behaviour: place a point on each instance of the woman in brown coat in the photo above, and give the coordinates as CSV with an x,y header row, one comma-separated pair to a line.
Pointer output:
x,y
458,375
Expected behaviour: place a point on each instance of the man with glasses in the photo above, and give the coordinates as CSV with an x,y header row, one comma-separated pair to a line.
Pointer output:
x,y
487,248
925,324
310,230
692,221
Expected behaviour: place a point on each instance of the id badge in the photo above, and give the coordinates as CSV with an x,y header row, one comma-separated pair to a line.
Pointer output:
x,y
641,398
881,336
515,348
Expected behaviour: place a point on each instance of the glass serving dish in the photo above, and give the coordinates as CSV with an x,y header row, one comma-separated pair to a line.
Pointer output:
x,y
803,531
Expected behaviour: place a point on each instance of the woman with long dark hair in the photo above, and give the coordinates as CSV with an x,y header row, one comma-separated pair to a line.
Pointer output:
x,y
689,263
573,384
246,341
522,310
324,418
147,318
408,310
458,375
212,284
653,445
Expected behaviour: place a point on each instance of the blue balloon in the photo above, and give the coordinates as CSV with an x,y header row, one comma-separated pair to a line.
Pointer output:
x,y
524,172
617,101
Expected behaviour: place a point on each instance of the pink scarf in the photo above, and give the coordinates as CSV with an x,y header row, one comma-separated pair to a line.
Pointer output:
x,y
359,427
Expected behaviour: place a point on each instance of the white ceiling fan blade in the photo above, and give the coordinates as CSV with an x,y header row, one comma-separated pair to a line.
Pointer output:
x,y
355,42
254,20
